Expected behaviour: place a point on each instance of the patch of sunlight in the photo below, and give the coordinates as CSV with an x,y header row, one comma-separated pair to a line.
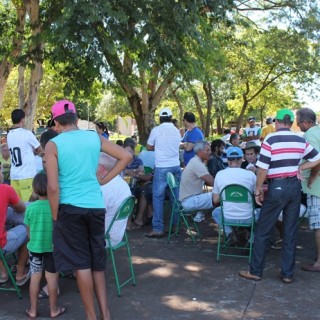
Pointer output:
x,y
192,267
164,272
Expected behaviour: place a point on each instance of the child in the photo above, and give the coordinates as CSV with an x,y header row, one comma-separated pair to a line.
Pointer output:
x,y
38,220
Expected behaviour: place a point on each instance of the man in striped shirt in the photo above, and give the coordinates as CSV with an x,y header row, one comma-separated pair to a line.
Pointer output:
x,y
280,155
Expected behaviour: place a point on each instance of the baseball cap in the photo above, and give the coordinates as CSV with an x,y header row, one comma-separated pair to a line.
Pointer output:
x,y
282,113
165,112
252,119
62,107
234,152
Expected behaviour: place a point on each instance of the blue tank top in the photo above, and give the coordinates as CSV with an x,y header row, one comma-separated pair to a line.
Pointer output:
x,y
78,156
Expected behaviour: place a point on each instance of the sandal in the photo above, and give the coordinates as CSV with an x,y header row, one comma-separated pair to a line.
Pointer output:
x,y
23,280
61,310
3,279
134,226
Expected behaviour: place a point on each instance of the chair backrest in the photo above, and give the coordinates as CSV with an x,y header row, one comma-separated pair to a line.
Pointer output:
x,y
147,170
123,212
236,193
171,180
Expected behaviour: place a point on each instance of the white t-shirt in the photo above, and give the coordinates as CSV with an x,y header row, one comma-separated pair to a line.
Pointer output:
x,y
21,143
114,193
240,176
166,141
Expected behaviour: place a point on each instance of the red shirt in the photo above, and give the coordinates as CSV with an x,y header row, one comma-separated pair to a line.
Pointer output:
x,y
8,196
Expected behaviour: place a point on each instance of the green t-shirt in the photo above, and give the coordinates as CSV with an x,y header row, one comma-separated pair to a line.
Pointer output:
x,y
39,220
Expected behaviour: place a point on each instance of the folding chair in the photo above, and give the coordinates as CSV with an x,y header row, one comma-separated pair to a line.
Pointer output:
x,y
123,212
11,277
182,213
238,194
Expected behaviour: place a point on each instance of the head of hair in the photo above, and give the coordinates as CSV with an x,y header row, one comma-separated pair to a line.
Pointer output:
x,y
46,136
67,119
107,161
39,184
217,143
269,120
189,117
102,126
17,115
129,145
119,143
286,121
226,131
165,119
200,145
306,114
129,141
233,137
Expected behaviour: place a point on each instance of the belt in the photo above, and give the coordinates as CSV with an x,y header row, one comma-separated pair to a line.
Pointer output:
x,y
281,178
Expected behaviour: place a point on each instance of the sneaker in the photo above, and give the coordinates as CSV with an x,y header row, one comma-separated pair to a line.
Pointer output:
x,y
199,217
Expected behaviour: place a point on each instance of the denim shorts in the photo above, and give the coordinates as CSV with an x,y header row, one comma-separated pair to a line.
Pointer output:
x,y
78,238
16,237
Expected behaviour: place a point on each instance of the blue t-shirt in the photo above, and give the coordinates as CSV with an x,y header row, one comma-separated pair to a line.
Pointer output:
x,y
191,136
78,156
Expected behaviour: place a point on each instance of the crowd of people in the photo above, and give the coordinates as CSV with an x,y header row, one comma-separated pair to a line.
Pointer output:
x,y
56,216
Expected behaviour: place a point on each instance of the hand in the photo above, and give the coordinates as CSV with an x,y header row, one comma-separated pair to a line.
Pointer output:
x,y
310,181
259,197
299,174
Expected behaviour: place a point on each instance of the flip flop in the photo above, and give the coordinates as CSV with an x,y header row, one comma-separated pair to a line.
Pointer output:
x,y
43,295
154,234
22,281
30,316
61,311
135,226
3,279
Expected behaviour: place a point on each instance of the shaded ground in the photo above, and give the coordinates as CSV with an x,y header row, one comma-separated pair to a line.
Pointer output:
x,y
180,280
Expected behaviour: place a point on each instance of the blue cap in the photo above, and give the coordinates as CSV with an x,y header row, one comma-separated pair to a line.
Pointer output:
x,y
234,152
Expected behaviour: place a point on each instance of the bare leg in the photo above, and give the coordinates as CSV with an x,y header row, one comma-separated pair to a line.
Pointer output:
x,y
85,285
52,287
23,257
141,211
3,271
101,293
34,289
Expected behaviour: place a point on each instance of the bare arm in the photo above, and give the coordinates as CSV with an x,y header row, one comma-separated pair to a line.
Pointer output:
x,y
53,181
19,207
149,147
123,156
216,199
208,179
261,177
309,164
38,150
313,174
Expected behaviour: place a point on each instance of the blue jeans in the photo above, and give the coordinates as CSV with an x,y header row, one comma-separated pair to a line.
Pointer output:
x,y
198,202
216,215
282,195
158,189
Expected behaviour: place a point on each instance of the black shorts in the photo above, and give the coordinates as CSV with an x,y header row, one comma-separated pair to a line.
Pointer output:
x,y
78,238
147,191
40,261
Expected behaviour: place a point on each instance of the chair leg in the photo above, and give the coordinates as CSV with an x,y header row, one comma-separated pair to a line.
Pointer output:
x,y
11,277
115,272
130,264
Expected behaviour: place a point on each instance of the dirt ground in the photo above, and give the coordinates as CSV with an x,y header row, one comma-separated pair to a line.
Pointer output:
x,y
182,280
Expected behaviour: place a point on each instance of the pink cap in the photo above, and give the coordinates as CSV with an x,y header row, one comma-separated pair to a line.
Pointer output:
x,y
62,107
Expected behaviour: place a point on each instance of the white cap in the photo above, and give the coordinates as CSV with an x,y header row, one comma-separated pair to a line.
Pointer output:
x,y
165,112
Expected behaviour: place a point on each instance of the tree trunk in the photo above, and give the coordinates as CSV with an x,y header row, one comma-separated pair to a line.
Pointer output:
x,y
207,87
6,66
30,102
199,109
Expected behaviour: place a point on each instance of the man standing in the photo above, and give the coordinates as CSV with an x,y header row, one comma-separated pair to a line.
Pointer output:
x,y
306,121
23,146
165,141
77,205
193,178
192,135
268,128
252,133
279,160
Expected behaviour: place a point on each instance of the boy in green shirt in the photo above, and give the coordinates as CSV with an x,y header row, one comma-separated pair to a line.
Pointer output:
x,y
38,220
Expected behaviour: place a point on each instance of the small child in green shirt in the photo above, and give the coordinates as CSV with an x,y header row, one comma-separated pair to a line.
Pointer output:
x,y
38,220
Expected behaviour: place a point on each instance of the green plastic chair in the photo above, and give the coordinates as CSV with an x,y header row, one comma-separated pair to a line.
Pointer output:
x,y
236,194
123,212
182,213
4,287
147,170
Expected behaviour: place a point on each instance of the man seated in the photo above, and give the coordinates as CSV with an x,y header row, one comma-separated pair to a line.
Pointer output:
x,y
114,193
15,238
251,154
193,178
233,212
215,164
